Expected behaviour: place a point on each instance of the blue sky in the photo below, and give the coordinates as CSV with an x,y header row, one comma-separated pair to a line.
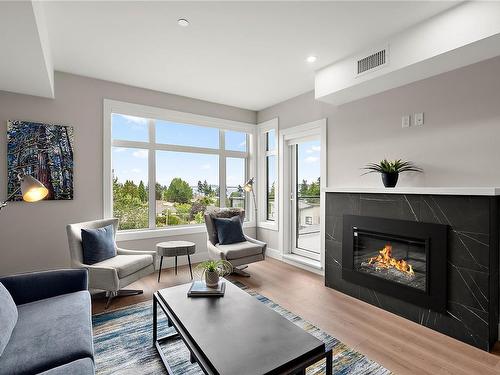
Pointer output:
x,y
308,161
132,164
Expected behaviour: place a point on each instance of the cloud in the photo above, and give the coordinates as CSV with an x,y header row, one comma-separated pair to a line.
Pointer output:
x,y
141,154
136,170
311,159
118,149
314,149
135,120
205,166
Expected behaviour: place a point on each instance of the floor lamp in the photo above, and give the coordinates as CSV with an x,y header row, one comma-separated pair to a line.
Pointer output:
x,y
248,187
32,190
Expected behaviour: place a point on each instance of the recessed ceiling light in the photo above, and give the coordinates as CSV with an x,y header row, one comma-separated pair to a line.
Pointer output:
x,y
183,22
311,59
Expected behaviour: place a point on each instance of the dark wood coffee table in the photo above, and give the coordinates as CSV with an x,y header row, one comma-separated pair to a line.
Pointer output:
x,y
236,334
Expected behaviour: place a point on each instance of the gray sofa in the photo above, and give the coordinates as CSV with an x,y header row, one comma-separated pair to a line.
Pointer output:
x,y
53,333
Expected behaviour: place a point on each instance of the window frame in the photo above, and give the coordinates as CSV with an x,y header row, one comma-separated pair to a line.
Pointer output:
x,y
155,113
264,128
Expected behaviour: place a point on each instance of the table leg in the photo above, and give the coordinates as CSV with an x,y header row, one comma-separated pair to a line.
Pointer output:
x,y
159,271
155,320
329,362
190,270
176,264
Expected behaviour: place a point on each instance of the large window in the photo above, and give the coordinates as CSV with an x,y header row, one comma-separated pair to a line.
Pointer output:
x,y
189,166
268,174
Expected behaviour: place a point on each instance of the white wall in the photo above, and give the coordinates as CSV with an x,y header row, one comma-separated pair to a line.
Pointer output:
x,y
459,144
33,236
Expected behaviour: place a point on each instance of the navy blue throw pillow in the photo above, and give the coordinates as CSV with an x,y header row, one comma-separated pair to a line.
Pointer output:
x,y
229,230
98,244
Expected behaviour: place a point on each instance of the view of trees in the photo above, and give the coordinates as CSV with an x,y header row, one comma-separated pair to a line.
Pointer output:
x,y
310,191
176,204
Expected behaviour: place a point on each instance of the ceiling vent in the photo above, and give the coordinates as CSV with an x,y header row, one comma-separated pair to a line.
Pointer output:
x,y
373,61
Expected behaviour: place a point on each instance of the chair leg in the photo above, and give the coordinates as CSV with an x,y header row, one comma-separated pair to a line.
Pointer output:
x,y
239,271
159,271
120,293
110,297
190,270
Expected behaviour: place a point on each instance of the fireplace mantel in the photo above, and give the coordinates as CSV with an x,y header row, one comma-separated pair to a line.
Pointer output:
x,y
471,191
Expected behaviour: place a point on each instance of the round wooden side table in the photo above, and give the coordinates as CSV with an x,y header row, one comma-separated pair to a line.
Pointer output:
x,y
175,249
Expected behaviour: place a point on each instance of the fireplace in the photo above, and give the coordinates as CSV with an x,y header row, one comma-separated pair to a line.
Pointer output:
x,y
403,259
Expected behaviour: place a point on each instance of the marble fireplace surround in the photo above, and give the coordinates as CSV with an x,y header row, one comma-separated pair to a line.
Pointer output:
x,y
472,262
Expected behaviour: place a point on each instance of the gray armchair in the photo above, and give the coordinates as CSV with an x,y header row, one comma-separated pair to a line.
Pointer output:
x,y
110,275
238,254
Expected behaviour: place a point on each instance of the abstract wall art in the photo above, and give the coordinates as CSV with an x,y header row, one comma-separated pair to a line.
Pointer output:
x,y
44,151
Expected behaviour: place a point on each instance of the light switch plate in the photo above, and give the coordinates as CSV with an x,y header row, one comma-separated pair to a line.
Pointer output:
x,y
405,121
418,119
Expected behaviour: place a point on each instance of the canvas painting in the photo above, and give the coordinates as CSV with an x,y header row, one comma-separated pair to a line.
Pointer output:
x,y
44,151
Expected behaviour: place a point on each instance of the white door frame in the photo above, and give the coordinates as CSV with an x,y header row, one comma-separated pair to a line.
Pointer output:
x,y
310,129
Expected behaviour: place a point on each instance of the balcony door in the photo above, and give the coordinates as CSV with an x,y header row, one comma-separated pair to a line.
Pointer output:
x,y
305,197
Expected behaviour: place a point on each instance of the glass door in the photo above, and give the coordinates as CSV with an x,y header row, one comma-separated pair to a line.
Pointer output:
x,y
305,198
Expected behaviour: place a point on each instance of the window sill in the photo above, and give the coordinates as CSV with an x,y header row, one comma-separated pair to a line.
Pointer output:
x,y
268,225
130,235
304,261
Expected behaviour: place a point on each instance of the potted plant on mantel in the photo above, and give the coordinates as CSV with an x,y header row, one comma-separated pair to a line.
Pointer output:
x,y
212,270
390,170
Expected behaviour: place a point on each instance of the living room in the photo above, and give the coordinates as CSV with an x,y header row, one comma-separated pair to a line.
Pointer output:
x,y
324,171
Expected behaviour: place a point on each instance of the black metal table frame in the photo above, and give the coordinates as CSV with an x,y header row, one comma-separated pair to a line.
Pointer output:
x,y
196,355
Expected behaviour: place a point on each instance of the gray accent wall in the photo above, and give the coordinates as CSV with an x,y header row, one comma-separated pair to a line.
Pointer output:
x,y
33,236
458,145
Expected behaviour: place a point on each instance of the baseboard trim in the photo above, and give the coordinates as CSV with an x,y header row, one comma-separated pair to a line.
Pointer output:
x,y
276,254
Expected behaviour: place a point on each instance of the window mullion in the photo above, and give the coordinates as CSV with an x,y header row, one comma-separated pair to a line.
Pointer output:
x,y
222,169
152,175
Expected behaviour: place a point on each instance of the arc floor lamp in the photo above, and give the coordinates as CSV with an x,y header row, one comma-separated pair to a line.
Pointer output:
x,y
32,190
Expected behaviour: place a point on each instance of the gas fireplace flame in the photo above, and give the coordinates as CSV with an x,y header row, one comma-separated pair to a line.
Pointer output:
x,y
385,260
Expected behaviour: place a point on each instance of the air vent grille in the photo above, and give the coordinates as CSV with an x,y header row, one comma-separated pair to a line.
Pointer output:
x,y
371,62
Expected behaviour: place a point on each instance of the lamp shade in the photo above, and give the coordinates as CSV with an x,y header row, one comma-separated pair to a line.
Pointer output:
x,y
249,185
32,190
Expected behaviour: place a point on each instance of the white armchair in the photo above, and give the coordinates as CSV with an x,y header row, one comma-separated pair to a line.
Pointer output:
x,y
110,275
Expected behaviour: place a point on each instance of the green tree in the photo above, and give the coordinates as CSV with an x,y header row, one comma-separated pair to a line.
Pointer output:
x,y
200,187
141,190
303,188
179,191
159,191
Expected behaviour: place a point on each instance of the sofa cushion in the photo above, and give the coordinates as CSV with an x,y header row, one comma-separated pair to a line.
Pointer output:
x,y
127,264
49,333
229,230
8,317
98,244
84,366
240,250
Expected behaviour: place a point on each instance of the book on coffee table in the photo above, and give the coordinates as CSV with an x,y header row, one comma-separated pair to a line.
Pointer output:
x,y
200,289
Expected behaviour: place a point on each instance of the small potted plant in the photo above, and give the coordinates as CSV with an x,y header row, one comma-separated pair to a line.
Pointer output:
x,y
212,270
390,170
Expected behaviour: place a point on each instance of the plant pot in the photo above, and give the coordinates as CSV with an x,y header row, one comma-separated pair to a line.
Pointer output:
x,y
390,179
211,279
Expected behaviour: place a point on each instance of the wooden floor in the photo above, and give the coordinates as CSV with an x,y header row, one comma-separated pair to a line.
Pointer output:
x,y
398,344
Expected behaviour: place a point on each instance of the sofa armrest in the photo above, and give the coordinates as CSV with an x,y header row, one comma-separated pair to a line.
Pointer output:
x,y
34,286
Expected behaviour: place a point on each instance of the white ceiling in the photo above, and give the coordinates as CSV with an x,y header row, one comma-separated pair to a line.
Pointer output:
x,y
246,54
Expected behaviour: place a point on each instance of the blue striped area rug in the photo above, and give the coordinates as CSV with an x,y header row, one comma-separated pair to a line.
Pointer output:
x,y
123,344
